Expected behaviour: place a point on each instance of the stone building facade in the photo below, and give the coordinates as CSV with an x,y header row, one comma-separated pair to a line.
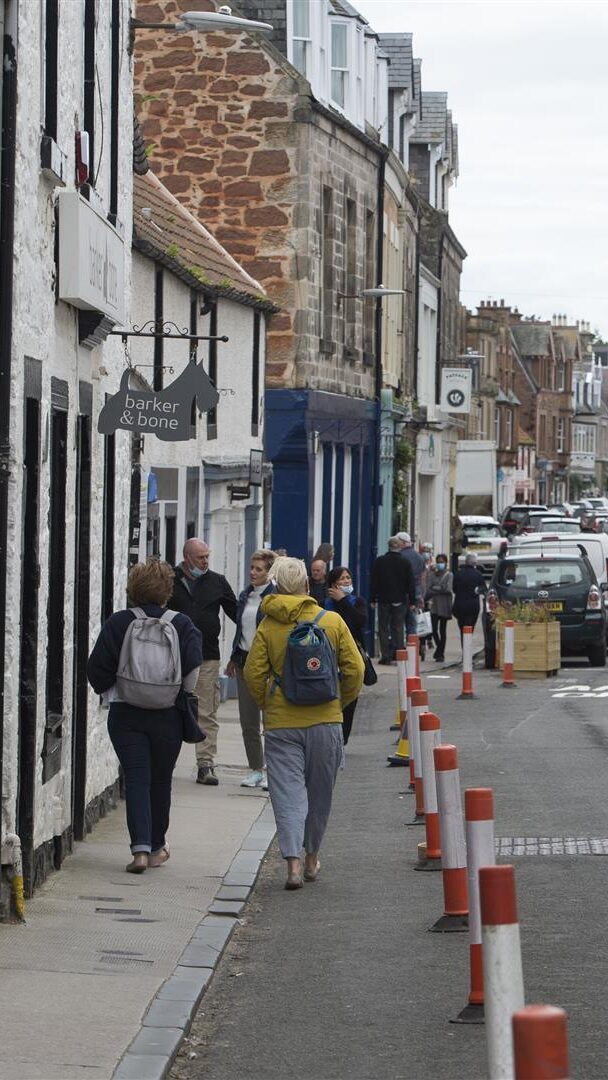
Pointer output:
x,y
291,187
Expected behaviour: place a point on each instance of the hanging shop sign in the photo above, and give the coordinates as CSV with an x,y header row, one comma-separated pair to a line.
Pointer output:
x,y
456,390
91,259
164,413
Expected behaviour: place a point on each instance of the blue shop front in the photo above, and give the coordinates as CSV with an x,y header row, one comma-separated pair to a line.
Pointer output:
x,y
322,447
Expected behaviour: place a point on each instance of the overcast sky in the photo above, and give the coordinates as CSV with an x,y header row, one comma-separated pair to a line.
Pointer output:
x,y
527,83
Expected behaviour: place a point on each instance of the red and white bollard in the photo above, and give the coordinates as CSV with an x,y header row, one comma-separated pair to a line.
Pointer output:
x,y
508,658
411,685
479,828
467,663
429,852
413,656
502,970
419,703
540,1043
401,657
453,846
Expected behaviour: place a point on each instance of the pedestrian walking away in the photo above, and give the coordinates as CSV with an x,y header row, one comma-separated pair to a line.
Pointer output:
x,y
200,593
248,617
353,609
303,742
458,542
147,738
418,566
439,597
393,588
469,587
317,582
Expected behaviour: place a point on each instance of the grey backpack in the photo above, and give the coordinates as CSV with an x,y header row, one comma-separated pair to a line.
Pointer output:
x,y
149,672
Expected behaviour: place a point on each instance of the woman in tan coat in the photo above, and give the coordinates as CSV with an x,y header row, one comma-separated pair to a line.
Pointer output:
x,y
303,743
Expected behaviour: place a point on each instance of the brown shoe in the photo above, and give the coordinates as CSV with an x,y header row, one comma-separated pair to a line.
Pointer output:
x,y
139,864
158,858
294,881
311,873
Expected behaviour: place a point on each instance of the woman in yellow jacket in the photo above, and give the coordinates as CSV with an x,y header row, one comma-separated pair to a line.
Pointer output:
x,y
303,743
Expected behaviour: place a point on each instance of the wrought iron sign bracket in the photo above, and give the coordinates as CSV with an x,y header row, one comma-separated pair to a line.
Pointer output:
x,y
166,330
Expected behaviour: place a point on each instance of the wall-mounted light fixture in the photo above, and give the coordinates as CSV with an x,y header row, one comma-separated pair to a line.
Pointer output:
x,y
222,19
372,294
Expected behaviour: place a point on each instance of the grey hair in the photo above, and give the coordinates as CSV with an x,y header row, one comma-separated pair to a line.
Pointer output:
x,y
470,559
395,544
290,575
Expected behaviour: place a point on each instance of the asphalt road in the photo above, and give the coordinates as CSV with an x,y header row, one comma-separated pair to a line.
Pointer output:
x,y
342,981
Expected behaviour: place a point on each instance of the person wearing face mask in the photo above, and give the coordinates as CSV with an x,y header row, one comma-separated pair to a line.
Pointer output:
x,y
439,596
353,610
200,593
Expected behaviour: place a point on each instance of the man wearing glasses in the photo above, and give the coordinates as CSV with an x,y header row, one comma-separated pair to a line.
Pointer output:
x,y
200,593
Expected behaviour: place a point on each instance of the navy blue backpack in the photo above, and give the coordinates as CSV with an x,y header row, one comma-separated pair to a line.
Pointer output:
x,y
310,671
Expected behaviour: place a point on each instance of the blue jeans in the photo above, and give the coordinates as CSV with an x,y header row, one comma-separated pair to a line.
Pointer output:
x,y
147,744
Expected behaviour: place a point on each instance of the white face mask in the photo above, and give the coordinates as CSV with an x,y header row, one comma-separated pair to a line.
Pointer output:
x,y
348,589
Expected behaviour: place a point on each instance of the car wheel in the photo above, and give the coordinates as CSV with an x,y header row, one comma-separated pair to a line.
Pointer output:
x,y
597,656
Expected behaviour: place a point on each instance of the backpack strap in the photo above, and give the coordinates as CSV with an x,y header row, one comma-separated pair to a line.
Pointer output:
x,y
168,616
318,617
139,613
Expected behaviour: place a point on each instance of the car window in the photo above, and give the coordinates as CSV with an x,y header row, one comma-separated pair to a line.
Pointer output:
x,y
564,525
543,574
517,513
484,531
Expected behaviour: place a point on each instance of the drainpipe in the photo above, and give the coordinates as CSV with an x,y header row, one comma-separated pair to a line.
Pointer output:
x,y
7,228
411,524
11,856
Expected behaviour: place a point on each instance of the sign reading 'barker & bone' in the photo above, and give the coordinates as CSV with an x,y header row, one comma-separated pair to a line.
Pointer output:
x,y
164,413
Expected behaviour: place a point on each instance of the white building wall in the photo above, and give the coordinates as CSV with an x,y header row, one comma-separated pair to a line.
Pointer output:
x,y
47,331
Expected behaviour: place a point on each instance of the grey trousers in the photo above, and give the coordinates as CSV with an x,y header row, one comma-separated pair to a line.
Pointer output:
x,y
391,619
302,767
251,723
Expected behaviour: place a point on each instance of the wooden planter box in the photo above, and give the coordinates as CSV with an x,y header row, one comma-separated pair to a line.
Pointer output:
x,y
537,649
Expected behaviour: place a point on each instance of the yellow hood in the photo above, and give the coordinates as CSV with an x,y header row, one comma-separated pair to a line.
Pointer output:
x,y
289,609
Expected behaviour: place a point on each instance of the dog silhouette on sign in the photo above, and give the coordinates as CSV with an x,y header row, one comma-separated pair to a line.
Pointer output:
x,y
164,413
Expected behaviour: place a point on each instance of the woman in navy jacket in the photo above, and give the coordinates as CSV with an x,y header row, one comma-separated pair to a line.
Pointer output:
x,y
353,609
248,617
147,741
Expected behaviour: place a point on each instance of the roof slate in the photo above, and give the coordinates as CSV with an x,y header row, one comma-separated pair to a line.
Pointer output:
x,y
165,229
532,339
432,126
399,49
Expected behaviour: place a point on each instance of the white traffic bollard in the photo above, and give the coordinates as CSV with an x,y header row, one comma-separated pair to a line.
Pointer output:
x,y
429,852
453,846
502,970
508,659
467,663
479,827
419,703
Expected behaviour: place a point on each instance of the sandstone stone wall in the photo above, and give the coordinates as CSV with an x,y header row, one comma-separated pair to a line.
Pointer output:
x,y
231,132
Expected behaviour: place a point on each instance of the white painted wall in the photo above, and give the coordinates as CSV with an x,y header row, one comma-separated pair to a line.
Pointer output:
x,y
47,331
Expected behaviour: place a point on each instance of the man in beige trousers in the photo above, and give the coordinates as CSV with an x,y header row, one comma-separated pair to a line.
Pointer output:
x,y
200,593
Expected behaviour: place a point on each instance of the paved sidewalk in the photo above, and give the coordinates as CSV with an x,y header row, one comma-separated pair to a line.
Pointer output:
x,y
98,943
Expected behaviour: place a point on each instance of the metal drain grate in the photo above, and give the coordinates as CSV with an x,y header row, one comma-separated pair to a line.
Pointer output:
x,y
551,845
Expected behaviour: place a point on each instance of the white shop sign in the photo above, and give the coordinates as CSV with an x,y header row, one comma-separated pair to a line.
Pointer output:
x,y
456,390
91,259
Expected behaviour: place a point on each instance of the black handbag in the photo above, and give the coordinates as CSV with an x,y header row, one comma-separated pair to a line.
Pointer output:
x,y
370,677
188,706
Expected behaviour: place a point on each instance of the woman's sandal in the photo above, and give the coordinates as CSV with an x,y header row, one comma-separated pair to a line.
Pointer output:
x,y
158,858
312,874
139,864
294,881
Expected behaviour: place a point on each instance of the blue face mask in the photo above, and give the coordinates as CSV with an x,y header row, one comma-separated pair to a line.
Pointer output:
x,y
441,565
348,589
196,571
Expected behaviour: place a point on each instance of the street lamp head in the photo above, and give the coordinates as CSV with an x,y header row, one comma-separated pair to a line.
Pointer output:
x,y
381,291
222,19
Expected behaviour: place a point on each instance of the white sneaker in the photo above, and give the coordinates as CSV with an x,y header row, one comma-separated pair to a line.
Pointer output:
x,y
255,779
264,784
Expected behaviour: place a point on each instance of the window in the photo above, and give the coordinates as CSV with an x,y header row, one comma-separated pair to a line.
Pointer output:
x,y
339,63
301,36
89,82
554,433
212,372
255,376
497,426
51,20
158,326
583,438
327,263
509,434
350,260
561,435
561,376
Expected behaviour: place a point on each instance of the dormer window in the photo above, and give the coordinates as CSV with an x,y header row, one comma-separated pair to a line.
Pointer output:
x,y
339,63
301,36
